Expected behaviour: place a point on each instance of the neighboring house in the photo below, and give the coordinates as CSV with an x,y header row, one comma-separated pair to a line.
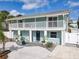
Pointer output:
x,y
74,26
36,28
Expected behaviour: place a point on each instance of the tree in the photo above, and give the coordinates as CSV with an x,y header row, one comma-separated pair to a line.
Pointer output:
x,y
10,16
3,16
78,23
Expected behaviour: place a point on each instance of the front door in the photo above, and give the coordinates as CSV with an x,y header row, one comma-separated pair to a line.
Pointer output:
x,y
38,35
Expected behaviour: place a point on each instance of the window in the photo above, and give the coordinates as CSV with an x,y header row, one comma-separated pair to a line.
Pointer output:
x,y
13,21
29,20
66,16
40,19
60,17
19,21
52,22
15,32
53,34
54,18
50,18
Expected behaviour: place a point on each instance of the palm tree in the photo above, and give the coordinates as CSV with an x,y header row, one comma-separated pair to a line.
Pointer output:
x,y
3,16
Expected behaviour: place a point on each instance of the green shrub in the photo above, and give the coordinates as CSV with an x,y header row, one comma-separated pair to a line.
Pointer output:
x,y
23,42
49,44
43,41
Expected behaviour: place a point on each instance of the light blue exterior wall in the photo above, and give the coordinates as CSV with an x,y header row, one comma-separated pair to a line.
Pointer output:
x,y
41,35
15,33
34,36
59,36
58,40
24,35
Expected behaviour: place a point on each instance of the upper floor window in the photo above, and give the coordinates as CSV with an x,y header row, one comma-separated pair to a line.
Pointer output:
x,y
40,19
60,17
66,16
29,20
12,21
19,21
52,18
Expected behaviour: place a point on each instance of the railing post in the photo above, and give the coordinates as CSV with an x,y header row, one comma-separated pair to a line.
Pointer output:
x,y
46,22
57,23
17,24
23,24
35,23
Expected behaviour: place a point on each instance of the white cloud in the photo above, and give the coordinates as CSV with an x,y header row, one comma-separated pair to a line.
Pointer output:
x,y
73,4
31,4
15,13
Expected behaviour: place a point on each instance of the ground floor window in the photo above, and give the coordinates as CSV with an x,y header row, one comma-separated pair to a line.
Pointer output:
x,y
15,32
53,34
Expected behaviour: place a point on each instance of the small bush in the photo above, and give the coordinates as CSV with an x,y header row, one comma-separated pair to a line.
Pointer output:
x,y
23,42
43,41
48,44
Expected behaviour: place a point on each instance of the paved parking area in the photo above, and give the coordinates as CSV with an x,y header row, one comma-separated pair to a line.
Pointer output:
x,y
64,52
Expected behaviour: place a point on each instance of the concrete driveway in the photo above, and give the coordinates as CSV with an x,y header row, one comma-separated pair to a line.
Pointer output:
x,y
63,52
32,52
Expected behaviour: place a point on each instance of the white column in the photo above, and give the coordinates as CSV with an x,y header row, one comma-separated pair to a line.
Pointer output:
x,y
11,34
30,35
19,34
45,33
62,38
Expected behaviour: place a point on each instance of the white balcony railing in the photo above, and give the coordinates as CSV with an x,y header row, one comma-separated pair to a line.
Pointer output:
x,y
42,24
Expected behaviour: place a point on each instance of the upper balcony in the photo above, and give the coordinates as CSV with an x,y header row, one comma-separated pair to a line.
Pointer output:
x,y
38,25
49,22
55,20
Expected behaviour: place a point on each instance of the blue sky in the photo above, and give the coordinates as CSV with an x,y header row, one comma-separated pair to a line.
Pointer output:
x,y
28,7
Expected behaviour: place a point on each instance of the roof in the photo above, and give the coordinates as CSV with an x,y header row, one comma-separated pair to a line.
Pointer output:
x,y
41,15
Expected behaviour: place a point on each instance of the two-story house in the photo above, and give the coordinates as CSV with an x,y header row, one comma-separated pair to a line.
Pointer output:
x,y
34,28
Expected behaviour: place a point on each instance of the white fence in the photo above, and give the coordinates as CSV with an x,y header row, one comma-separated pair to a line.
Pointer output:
x,y
8,34
72,38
